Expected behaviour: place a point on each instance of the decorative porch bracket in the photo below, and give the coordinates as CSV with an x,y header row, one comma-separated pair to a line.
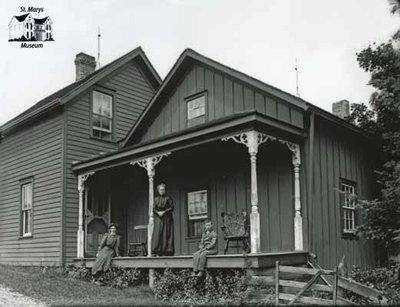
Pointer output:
x,y
80,251
149,165
252,139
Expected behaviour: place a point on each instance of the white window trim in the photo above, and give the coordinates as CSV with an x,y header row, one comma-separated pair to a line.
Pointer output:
x,y
111,118
348,208
24,210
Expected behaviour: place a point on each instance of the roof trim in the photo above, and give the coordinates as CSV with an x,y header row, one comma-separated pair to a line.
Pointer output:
x,y
90,80
193,55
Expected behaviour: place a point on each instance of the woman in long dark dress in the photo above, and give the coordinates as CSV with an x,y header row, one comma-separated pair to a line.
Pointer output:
x,y
108,248
163,232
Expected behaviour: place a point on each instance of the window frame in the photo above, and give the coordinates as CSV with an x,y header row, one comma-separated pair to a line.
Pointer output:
x,y
22,183
348,233
199,118
110,93
190,237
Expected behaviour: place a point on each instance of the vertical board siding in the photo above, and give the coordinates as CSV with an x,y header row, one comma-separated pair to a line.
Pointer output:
x,y
132,93
336,156
33,152
225,96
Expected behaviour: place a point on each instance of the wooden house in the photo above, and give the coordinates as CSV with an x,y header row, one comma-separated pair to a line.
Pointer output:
x,y
38,190
222,142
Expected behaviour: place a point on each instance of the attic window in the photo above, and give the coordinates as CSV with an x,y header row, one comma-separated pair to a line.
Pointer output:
x,y
102,115
196,106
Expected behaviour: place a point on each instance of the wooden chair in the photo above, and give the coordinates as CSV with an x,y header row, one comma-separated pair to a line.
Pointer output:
x,y
236,228
139,244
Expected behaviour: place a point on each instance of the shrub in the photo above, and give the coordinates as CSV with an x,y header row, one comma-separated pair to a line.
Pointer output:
x,y
385,279
217,286
115,277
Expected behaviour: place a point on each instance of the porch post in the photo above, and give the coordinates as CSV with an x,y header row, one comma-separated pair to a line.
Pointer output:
x,y
252,139
149,164
80,250
298,220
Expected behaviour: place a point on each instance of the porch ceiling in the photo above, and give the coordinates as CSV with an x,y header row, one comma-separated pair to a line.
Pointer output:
x,y
254,261
191,137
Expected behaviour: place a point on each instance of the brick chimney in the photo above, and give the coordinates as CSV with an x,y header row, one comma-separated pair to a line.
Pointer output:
x,y
84,65
341,108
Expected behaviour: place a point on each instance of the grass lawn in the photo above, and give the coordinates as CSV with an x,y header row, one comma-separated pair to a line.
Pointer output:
x,y
57,290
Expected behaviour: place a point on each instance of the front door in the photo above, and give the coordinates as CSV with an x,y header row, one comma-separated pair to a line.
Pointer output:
x,y
98,213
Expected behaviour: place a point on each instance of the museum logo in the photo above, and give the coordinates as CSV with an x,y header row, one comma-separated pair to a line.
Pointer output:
x,y
28,30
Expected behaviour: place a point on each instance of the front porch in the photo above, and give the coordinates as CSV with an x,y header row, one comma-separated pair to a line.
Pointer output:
x,y
250,261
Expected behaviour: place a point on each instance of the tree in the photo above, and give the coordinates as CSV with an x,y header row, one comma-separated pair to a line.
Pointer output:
x,y
382,215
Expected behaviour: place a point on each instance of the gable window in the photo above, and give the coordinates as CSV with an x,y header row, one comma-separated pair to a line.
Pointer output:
x,y
197,206
102,115
196,106
26,208
348,206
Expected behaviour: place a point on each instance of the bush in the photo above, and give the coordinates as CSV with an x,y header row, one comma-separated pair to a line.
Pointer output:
x,y
217,286
115,277
385,279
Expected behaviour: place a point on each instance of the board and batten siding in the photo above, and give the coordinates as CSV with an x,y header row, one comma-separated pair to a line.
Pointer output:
x,y
225,96
132,92
338,154
34,152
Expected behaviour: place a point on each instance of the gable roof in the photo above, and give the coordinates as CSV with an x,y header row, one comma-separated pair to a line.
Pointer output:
x,y
21,17
188,56
41,20
65,94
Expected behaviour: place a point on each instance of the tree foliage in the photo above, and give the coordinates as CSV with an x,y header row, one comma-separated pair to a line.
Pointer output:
x,y
382,215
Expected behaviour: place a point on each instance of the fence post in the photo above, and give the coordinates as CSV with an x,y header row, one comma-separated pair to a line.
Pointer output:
x,y
277,283
335,285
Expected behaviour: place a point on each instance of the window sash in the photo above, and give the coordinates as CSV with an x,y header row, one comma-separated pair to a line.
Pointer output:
x,y
197,207
102,114
26,208
349,207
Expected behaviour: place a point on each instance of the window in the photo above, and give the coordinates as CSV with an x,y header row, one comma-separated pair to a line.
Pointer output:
x,y
26,208
348,207
196,106
102,115
197,212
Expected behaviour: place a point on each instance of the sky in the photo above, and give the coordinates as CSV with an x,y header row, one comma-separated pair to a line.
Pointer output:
x,y
261,38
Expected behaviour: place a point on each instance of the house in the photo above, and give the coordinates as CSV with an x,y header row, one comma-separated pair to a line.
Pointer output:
x,y
43,29
222,142
38,195
25,26
21,26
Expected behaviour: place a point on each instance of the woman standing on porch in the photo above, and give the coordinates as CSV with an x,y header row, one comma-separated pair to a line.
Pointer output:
x,y
108,248
163,233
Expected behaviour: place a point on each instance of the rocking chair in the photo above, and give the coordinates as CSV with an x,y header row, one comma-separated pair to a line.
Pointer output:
x,y
236,228
139,244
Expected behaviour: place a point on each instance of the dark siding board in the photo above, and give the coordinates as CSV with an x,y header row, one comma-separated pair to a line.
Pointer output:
x,y
200,78
248,99
270,107
219,96
331,201
296,118
37,152
238,104
228,96
283,112
209,85
324,203
260,103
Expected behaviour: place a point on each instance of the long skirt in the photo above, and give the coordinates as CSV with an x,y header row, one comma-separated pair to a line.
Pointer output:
x,y
163,235
103,260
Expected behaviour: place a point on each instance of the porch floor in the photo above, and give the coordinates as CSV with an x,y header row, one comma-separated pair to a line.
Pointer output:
x,y
254,261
